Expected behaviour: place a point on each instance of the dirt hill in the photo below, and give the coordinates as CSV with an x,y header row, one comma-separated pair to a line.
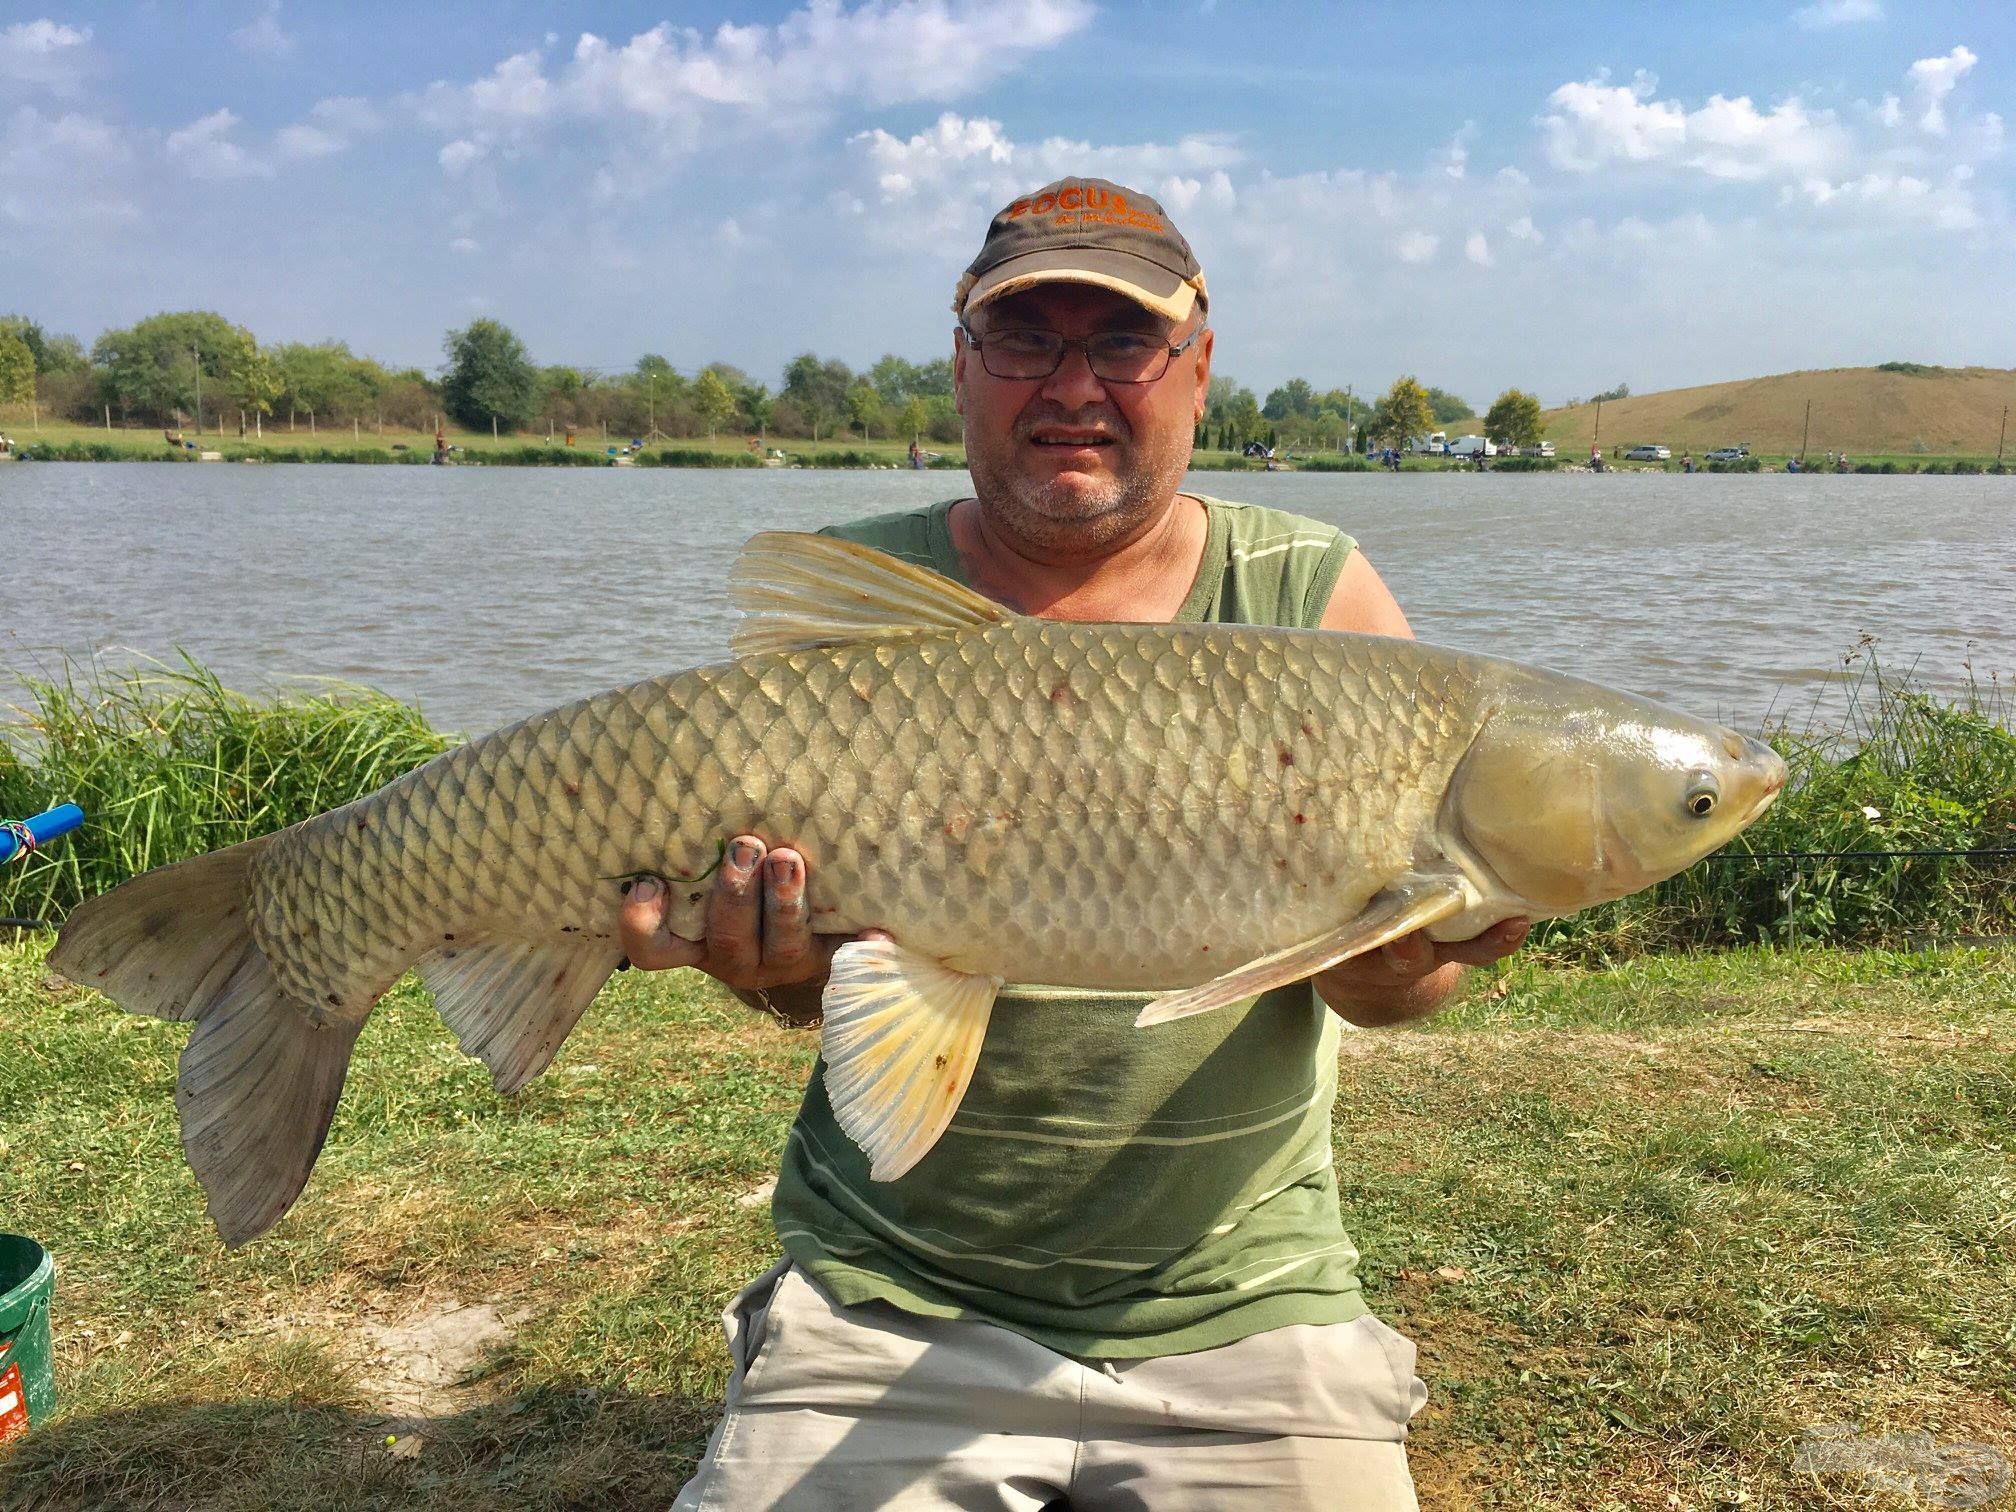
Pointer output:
x,y
1862,411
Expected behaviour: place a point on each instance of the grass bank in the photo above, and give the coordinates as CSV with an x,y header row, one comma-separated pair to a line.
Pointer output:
x,y
63,441
169,763
1774,1194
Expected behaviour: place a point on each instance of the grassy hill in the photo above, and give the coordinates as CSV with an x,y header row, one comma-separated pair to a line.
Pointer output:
x,y
1901,408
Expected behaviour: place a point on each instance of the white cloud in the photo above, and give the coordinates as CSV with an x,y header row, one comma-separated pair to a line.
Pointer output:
x,y
1904,197
457,156
61,171
1416,247
1934,79
333,126
669,82
262,34
204,149
465,245
1456,156
1478,250
1524,230
307,142
45,53
1826,13
1594,124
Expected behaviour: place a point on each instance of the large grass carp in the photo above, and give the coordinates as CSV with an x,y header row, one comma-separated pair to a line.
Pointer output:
x,y
1205,810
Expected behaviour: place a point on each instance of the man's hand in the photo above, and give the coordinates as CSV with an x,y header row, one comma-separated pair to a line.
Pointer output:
x,y
759,941
1412,976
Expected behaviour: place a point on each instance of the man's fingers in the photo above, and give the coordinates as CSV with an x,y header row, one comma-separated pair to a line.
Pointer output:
x,y
1409,956
1496,943
787,928
734,914
647,943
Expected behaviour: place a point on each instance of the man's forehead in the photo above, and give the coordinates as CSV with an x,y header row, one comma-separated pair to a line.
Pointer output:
x,y
1089,302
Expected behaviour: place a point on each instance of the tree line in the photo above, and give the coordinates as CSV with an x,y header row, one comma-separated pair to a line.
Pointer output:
x,y
195,366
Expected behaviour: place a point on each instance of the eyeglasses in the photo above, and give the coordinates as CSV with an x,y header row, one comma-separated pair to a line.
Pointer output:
x,y
1113,356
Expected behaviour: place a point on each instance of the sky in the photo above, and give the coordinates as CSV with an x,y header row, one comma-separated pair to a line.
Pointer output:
x,y
1557,197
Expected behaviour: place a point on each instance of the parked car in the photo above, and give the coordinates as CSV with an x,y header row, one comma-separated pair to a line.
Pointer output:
x,y
1544,449
1728,454
1433,444
1472,446
1649,454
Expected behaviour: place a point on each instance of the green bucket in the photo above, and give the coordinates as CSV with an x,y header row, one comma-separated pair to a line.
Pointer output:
x,y
27,1281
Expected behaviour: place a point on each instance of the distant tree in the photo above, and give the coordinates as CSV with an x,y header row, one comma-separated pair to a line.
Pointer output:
x,y
1447,407
324,379
1403,412
864,406
29,333
251,376
714,399
915,418
756,406
651,363
489,379
1515,417
1622,391
562,381
817,391
1295,399
151,368
17,369
64,353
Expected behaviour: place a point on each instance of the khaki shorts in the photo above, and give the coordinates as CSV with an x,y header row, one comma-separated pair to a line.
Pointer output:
x,y
848,1409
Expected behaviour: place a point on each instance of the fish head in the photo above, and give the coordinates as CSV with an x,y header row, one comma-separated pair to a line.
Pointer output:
x,y
1572,794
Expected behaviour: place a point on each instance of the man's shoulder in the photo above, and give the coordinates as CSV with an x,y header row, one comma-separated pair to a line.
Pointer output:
x,y
1251,527
903,533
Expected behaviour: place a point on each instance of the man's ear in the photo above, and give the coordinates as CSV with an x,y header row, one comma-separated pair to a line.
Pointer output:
x,y
1201,398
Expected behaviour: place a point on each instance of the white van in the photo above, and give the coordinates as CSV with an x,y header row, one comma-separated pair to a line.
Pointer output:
x,y
1434,444
1473,446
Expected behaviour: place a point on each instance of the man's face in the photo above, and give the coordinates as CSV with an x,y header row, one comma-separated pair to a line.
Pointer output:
x,y
1073,459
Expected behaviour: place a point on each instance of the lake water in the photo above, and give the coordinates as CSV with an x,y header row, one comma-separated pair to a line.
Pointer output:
x,y
489,593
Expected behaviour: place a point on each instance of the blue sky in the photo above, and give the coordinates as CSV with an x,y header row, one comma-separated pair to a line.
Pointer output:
x,y
1553,196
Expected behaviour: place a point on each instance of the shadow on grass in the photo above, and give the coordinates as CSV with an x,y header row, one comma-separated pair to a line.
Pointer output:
x,y
549,1450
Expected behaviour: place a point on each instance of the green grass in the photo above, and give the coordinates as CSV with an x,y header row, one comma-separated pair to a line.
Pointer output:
x,y
1775,1193
70,442
168,763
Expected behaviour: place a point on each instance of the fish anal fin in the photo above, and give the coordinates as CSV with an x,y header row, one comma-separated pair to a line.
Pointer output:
x,y
1398,910
797,590
511,1001
903,1033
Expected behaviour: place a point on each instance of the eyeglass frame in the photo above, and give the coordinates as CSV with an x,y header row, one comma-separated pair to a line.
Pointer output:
x,y
1082,344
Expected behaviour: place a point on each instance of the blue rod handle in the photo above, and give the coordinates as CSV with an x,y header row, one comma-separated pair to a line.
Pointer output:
x,y
60,820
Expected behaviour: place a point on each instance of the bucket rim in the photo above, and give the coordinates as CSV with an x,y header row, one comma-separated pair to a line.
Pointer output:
x,y
22,1296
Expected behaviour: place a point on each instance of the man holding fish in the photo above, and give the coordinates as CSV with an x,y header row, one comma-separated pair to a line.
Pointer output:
x,y
1128,748
1121,1276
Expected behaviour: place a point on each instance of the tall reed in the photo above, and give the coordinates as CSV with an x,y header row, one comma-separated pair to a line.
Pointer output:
x,y
168,763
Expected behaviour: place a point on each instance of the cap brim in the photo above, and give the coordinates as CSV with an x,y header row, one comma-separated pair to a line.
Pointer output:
x,y
1148,284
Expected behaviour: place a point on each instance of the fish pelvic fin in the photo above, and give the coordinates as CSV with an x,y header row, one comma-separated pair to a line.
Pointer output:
x,y
1398,910
261,1075
797,590
512,1001
903,1033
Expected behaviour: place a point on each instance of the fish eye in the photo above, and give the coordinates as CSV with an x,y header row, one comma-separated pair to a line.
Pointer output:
x,y
1702,797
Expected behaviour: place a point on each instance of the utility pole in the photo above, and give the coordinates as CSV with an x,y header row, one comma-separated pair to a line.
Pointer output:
x,y
1807,434
2003,437
1596,438
197,353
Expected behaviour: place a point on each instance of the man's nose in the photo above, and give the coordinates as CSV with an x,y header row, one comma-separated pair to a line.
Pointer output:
x,y
1074,384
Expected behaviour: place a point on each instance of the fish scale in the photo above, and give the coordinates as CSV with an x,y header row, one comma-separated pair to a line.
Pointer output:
x,y
1201,810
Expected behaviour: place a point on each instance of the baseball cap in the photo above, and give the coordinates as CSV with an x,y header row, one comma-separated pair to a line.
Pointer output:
x,y
1085,230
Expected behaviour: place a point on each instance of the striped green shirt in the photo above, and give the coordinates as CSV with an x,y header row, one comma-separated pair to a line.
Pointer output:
x,y
1107,1192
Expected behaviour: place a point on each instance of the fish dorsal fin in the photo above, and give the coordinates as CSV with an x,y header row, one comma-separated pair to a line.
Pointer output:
x,y
797,590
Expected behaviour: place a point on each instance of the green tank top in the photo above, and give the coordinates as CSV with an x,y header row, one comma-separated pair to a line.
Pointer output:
x,y
1107,1191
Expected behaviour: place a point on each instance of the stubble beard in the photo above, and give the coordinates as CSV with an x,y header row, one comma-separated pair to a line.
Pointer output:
x,y
1064,513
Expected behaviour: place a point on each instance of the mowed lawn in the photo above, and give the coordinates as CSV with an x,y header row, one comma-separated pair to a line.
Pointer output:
x,y
1647,1225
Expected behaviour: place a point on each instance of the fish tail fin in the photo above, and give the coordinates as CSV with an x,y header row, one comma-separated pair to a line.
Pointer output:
x,y
261,1074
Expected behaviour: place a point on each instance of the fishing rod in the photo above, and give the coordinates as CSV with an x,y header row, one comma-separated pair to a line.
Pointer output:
x,y
21,838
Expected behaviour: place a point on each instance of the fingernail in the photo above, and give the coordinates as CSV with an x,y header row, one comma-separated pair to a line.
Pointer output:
x,y
781,869
644,889
743,854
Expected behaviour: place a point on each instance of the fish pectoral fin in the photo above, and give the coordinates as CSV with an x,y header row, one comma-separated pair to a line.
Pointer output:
x,y
512,1001
1398,910
797,590
902,1036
